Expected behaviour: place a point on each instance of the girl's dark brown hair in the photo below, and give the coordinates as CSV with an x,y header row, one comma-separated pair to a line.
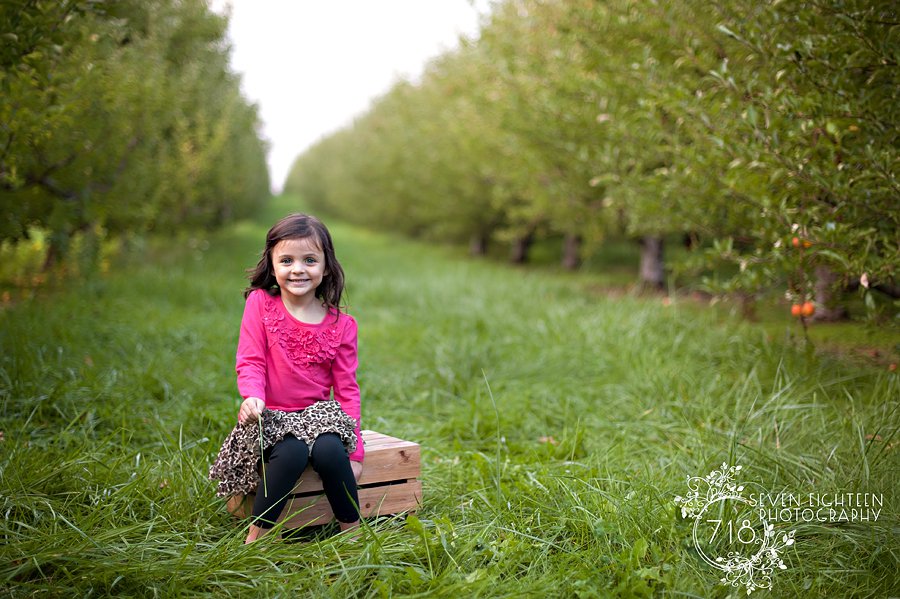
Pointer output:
x,y
300,226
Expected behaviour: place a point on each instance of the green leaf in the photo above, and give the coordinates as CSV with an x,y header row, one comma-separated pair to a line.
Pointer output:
x,y
869,300
639,549
836,257
729,33
414,524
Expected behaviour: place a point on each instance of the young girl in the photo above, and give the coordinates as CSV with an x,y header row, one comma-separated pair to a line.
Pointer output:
x,y
295,348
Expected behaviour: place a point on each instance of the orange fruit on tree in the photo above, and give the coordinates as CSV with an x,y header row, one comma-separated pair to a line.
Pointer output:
x,y
807,309
796,310
795,242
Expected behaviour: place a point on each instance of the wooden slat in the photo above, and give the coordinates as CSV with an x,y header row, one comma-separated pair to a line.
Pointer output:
x,y
370,437
373,501
390,499
394,462
382,444
314,509
374,439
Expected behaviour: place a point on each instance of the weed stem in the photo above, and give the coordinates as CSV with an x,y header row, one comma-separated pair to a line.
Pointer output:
x,y
262,457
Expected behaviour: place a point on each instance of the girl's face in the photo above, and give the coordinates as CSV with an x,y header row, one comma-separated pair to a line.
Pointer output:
x,y
299,266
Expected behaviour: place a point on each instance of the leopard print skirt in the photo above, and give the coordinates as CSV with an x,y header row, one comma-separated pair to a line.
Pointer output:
x,y
236,466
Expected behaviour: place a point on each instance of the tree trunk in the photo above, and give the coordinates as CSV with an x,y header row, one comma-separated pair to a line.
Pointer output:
x,y
478,244
652,275
52,257
747,302
519,254
827,308
690,240
57,248
571,252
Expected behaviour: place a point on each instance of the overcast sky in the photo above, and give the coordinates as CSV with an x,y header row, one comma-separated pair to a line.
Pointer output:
x,y
312,65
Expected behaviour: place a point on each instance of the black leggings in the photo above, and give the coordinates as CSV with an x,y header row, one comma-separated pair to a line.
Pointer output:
x,y
287,459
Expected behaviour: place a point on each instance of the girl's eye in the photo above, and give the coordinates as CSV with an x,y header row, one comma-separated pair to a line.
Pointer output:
x,y
310,260
285,260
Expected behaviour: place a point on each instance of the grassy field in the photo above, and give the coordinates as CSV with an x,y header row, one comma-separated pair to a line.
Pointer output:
x,y
557,426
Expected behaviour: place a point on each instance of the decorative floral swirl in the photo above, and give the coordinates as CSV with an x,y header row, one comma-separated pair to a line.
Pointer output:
x,y
753,571
707,489
303,347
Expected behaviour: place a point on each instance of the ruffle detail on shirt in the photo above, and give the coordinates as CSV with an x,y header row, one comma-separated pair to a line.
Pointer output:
x,y
236,465
302,346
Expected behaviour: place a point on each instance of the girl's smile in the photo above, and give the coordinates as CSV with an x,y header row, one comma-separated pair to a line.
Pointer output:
x,y
299,266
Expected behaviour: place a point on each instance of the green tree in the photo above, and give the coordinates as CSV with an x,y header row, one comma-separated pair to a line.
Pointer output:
x,y
121,116
800,133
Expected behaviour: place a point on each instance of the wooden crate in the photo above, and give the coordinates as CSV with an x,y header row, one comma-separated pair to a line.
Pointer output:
x,y
389,485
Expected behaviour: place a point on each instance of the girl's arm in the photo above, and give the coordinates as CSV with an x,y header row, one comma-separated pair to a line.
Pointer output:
x,y
251,355
346,388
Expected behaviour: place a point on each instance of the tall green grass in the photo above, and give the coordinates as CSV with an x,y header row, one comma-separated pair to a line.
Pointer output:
x,y
557,427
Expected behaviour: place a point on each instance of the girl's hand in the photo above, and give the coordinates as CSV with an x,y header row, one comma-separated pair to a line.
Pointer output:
x,y
357,469
251,408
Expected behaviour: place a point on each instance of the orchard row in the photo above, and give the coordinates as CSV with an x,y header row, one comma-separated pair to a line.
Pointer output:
x,y
767,133
120,117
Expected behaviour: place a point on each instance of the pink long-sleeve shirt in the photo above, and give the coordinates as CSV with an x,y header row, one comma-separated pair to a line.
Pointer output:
x,y
291,364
